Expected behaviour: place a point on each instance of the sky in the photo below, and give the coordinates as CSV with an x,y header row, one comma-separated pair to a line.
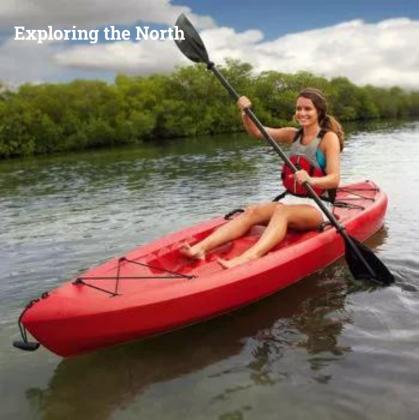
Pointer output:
x,y
367,41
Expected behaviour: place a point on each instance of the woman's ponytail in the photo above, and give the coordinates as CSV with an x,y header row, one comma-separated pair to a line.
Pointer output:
x,y
329,123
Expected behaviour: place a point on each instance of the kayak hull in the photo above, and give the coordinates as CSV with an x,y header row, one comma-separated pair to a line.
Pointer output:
x,y
101,310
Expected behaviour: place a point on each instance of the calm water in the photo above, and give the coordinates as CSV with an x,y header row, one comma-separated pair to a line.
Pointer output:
x,y
326,348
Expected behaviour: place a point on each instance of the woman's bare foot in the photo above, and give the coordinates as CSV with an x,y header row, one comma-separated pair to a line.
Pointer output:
x,y
192,252
234,262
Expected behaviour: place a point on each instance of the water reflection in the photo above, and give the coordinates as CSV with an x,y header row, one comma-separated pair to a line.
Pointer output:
x,y
308,316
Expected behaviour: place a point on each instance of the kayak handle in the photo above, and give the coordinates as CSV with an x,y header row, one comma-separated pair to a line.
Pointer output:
x,y
25,344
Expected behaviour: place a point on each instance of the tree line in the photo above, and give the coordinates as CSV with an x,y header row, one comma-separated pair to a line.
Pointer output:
x,y
59,117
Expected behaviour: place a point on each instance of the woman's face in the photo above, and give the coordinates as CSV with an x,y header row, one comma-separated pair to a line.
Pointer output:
x,y
306,113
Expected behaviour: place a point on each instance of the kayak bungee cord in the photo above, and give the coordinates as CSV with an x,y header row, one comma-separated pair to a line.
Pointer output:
x,y
357,193
27,345
342,203
118,277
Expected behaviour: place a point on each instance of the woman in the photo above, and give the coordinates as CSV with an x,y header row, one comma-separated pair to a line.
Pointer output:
x,y
320,137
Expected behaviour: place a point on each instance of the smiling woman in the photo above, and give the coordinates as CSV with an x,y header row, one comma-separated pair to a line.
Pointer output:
x,y
315,150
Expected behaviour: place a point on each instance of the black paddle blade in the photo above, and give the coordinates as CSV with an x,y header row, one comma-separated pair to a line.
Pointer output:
x,y
192,46
376,271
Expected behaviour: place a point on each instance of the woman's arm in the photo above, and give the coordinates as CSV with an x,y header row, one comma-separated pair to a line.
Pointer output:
x,y
284,135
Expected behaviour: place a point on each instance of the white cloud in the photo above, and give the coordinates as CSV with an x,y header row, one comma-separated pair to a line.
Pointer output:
x,y
382,53
378,53
92,13
23,62
149,56
143,57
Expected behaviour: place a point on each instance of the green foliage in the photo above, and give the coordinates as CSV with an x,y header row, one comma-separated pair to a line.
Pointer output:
x,y
49,118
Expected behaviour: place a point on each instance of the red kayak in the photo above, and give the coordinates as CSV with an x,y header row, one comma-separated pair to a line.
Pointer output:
x,y
154,289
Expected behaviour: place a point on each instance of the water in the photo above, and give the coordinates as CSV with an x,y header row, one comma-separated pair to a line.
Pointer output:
x,y
326,348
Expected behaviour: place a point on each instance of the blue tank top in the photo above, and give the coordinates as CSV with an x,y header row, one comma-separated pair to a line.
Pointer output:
x,y
321,158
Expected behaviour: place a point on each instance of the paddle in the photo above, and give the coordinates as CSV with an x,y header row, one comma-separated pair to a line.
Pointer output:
x,y
362,262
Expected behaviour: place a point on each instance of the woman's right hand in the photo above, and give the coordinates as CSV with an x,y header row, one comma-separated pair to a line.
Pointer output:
x,y
243,103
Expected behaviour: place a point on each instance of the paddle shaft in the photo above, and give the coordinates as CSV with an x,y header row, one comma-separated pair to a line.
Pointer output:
x,y
340,229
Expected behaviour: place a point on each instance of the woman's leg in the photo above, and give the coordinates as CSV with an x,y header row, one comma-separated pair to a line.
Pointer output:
x,y
253,215
300,217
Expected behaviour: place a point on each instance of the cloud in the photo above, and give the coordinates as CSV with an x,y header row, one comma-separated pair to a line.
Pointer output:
x,y
380,53
376,53
91,14
149,56
130,58
22,62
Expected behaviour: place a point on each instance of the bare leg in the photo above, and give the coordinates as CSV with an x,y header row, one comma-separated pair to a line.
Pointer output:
x,y
236,228
301,217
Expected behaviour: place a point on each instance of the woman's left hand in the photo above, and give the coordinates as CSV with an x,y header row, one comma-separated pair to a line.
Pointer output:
x,y
302,176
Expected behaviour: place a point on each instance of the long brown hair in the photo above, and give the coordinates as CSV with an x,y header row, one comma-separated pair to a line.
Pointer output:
x,y
326,121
